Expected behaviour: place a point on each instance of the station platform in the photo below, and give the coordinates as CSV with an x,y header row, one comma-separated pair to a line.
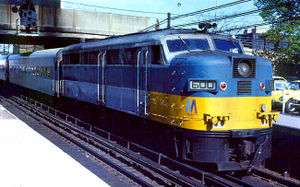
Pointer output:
x,y
285,146
28,159
288,121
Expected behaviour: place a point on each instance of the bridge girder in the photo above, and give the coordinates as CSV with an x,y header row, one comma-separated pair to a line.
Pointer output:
x,y
67,26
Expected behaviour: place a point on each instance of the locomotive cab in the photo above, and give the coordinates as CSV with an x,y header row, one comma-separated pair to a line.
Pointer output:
x,y
218,101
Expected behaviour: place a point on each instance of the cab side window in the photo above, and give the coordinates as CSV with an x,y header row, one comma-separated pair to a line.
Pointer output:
x,y
156,55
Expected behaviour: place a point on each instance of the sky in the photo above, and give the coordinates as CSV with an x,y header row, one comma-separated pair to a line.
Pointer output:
x,y
175,7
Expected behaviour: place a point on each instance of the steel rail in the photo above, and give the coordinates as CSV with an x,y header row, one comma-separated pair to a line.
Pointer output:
x,y
267,174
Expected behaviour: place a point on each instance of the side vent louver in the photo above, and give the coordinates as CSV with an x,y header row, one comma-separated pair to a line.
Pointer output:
x,y
244,87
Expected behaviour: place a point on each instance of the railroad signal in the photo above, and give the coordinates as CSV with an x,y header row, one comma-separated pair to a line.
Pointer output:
x,y
14,9
28,16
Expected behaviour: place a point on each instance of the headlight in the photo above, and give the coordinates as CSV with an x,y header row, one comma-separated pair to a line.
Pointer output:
x,y
202,85
263,107
244,69
281,98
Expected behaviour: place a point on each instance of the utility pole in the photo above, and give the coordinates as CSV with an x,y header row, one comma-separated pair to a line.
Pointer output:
x,y
157,25
169,20
216,13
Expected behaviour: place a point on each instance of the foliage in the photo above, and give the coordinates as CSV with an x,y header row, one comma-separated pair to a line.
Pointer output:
x,y
275,57
284,17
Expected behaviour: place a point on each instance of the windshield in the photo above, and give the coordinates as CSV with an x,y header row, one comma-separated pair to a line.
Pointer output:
x,y
187,44
280,86
228,45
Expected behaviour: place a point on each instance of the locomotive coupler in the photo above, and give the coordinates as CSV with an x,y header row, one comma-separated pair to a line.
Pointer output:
x,y
257,154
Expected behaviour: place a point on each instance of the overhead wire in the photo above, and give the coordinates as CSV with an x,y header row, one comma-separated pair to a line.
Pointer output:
x,y
210,9
198,12
254,25
243,27
246,13
220,18
112,8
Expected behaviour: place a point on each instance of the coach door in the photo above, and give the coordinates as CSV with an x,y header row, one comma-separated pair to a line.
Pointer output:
x,y
7,70
58,69
142,82
101,78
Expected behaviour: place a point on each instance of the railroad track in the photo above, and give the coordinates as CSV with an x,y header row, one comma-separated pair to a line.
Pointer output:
x,y
145,167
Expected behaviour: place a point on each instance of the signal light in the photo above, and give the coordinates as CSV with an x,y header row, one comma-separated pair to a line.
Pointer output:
x,y
262,86
14,9
223,86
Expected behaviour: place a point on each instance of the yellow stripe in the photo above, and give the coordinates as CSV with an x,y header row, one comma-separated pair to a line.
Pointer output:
x,y
241,111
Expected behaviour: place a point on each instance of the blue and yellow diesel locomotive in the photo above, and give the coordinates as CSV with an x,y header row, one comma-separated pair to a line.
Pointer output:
x,y
216,99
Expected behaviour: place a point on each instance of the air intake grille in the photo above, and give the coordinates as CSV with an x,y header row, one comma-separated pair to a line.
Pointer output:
x,y
244,87
250,62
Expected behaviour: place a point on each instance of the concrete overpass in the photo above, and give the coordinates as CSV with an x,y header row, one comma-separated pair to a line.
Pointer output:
x,y
60,27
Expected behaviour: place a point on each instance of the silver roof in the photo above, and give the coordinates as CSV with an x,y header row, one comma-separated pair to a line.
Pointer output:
x,y
48,53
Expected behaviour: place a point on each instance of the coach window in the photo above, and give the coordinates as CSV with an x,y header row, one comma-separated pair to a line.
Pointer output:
x,y
156,55
37,72
48,71
42,72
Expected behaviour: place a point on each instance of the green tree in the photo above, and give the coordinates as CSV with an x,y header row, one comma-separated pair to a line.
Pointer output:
x,y
284,18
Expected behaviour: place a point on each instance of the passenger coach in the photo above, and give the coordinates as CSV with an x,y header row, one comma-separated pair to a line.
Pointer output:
x,y
36,71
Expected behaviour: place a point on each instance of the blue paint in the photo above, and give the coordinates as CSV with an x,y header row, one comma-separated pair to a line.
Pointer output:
x,y
161,78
